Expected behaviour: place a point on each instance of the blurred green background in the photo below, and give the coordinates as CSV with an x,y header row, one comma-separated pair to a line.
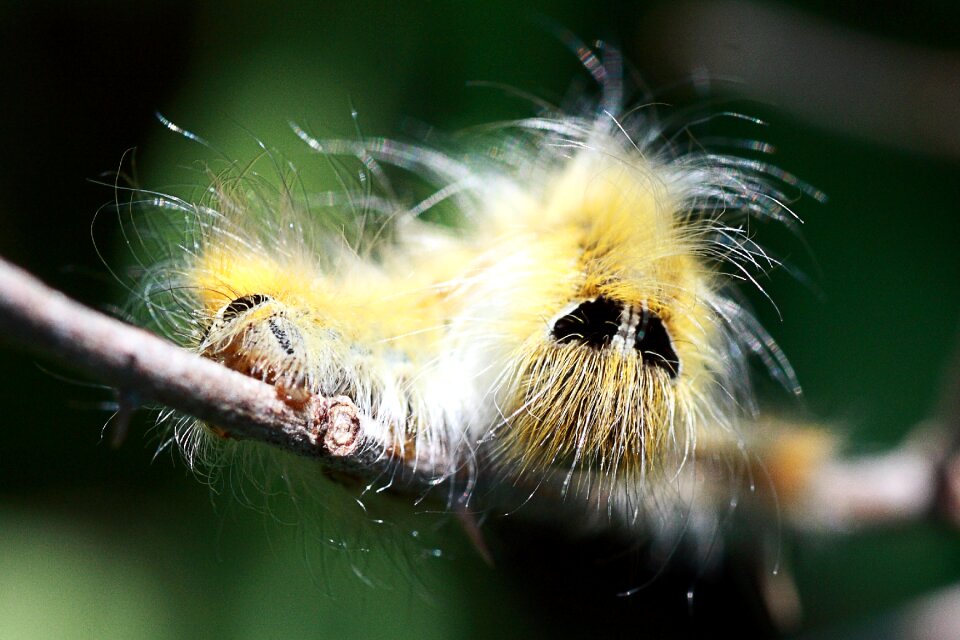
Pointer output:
x,y
96,542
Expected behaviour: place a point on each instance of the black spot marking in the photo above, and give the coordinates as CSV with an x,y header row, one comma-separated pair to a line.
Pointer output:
x,y
654,344
241,305
281,336
593,323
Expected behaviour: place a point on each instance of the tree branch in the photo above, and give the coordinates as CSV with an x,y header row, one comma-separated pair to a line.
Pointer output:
x,y
899,486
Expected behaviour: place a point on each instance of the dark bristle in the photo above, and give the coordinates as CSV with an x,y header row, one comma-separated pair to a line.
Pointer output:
x,y
593,323
282,338
655,346
242,304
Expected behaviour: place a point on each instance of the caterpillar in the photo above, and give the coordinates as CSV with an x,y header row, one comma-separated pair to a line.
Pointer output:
x,y
561,313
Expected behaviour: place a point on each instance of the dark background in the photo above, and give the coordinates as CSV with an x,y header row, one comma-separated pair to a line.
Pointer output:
x,y
96,542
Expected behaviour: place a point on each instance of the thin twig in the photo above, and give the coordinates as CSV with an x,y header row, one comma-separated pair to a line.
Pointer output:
x,y
889,489
142,365
918,479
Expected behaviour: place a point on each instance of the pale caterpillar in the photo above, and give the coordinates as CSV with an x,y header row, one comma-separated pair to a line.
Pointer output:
x,y
575,330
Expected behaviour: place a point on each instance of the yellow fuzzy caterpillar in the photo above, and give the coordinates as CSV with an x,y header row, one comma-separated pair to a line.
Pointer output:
x,y
577,329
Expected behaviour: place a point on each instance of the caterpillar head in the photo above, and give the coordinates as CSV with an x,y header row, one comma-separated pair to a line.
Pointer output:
x,y
269,318
261,337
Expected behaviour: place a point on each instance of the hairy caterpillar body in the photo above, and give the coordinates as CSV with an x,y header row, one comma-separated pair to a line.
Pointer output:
x,y
577,329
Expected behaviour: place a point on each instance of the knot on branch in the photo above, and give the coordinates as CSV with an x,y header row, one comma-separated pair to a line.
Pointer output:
x,y
336,426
